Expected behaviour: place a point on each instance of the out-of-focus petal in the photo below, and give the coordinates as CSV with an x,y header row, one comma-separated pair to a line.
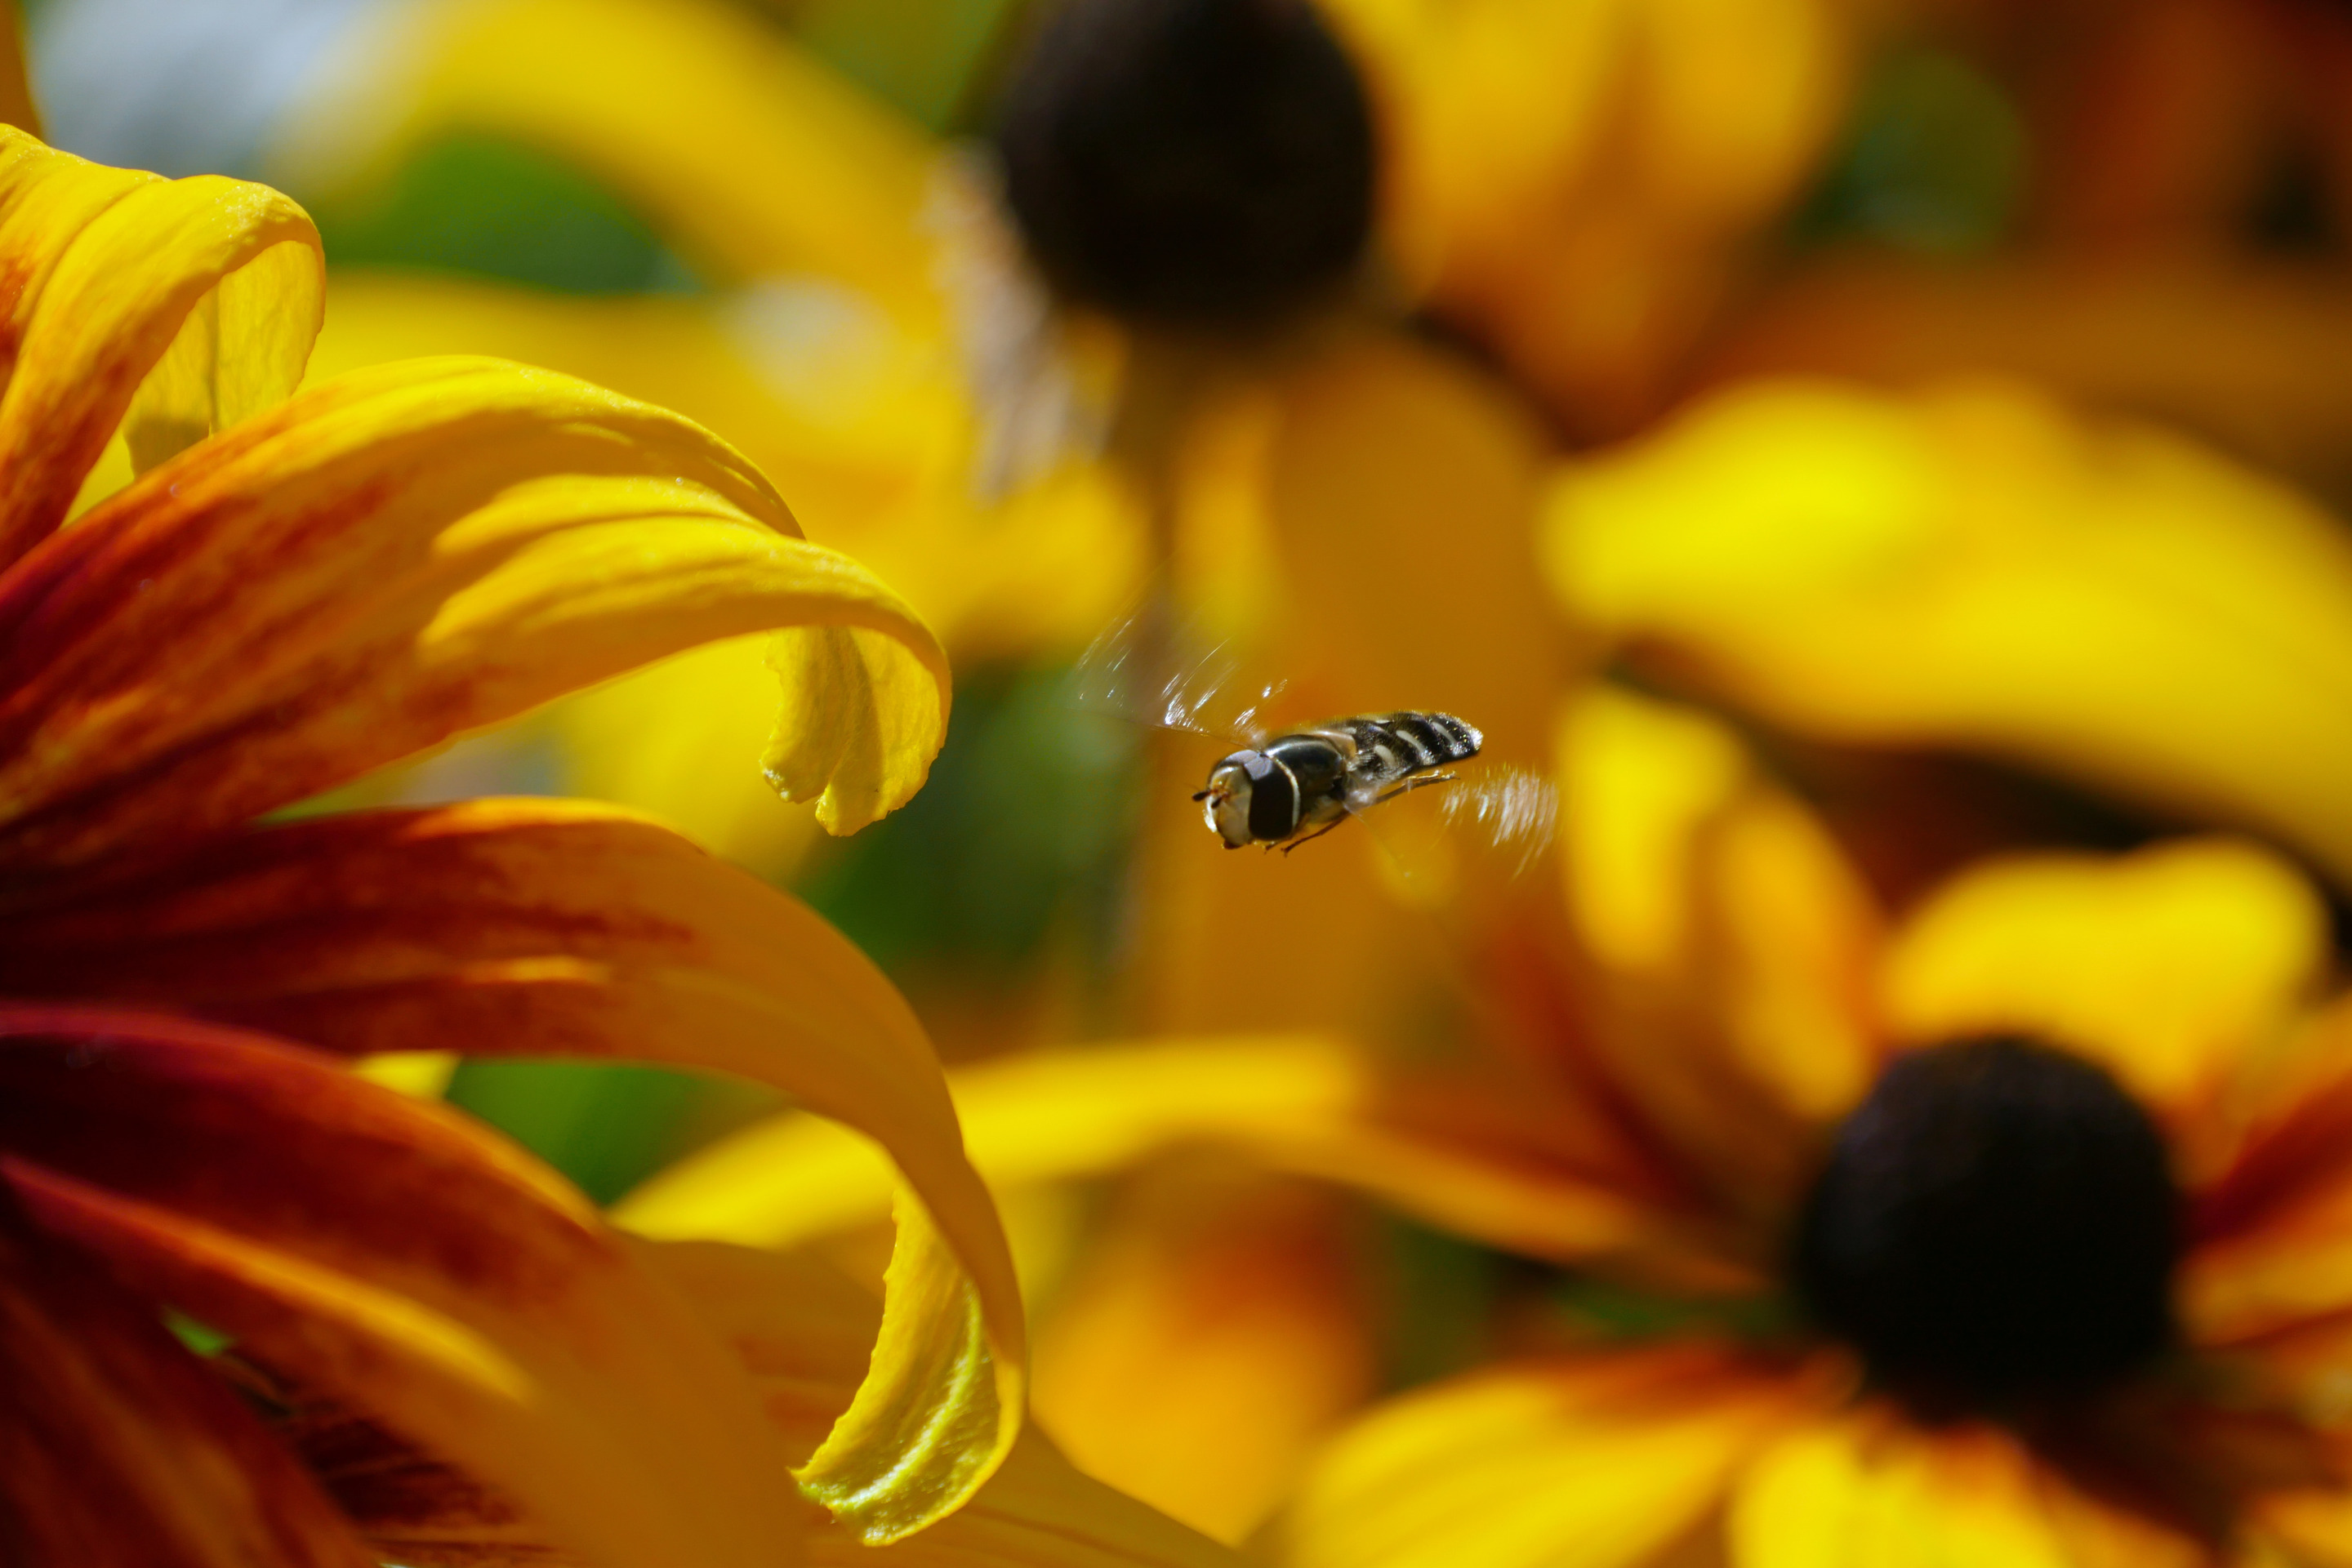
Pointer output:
x,y
2271,1236
2249,353
748,154
405,553
1507,116
1294,1103
1595,1462
1974,567
1232,1311
390,1253
1733,947
16,106
545,927
169,309
120,1449
1578,183
1868,1489
2173,966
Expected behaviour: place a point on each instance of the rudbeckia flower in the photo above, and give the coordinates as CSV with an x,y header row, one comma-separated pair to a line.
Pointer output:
x,y
260,596
2001,1232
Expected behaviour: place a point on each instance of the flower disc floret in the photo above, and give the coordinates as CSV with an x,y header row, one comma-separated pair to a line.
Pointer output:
x,y
1190,163
1996,1223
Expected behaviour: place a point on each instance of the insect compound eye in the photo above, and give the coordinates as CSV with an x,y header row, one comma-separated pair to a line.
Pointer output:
x,y
1203,163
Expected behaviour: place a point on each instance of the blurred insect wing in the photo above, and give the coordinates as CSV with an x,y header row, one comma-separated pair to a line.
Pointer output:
x,y
1511,810
1146,671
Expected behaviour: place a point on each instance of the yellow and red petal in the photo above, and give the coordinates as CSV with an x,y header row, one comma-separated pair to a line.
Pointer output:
x,y
1978,567
1597,1461
403,554
1731,946
547,928
118,1447
169,309
2180,968
390,1253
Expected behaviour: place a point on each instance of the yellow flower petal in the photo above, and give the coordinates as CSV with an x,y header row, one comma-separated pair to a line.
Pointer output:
x,y
1299,1104
400,555
553,928
1597,1462
1974,567
1498,110
168,307
1734,946
2246,348
1869,1491
397,1255
2173,966
1231,1310
748,155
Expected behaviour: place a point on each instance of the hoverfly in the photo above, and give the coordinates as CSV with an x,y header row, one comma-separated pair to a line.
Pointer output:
x,y
1282,790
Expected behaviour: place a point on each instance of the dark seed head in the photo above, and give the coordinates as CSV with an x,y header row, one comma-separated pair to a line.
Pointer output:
x,y
1996,1226
1189,163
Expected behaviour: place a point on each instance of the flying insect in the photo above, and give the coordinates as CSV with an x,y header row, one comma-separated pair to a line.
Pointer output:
x,y
1282,790
1300,786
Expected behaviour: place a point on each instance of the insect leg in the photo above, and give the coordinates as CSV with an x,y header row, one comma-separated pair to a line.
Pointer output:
x,y
1410,784
1317,834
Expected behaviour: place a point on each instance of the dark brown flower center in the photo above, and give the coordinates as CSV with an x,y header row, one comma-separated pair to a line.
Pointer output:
x,y
1189,163
1996,1225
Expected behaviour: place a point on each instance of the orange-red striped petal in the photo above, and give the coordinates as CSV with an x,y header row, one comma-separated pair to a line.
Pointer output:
x,y
388,1252
547,928
405,553
119,1450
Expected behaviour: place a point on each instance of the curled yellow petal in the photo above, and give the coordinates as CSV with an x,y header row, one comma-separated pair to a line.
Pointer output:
x,y
802,1328
402,554
1975,567
168,307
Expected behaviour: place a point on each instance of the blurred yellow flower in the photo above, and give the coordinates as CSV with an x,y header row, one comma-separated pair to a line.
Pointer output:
x,y
1733,1117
